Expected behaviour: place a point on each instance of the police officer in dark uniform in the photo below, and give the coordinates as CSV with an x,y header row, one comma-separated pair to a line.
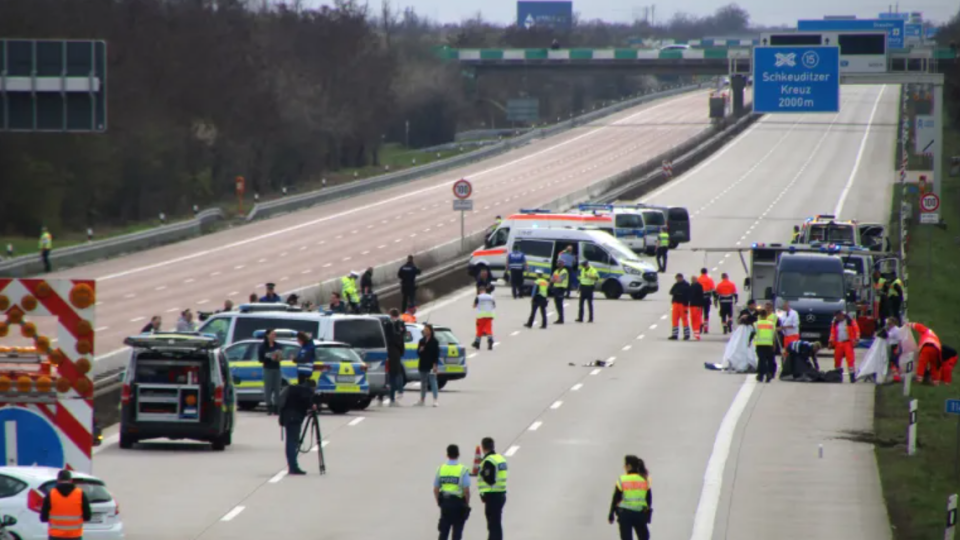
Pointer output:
x,y
271,296
296,401
516,264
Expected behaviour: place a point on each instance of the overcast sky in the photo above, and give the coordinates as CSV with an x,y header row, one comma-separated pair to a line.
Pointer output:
x,y
767,12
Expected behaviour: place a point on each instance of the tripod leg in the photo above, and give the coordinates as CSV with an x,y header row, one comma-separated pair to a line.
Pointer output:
x,y
320,457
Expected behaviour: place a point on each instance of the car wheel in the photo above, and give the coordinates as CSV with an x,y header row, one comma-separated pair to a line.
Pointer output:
x,y
339,408
127,441
441,383
638,295
247,405
228,438
219,444
364,403
612,289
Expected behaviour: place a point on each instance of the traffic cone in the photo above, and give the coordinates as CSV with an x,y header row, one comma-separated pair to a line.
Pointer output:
x,y
476,463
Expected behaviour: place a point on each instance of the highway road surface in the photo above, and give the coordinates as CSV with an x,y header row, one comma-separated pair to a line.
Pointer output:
x,y
328,241
729,458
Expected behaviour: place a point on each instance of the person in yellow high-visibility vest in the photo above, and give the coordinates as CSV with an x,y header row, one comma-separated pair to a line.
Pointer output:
x,y
492,485
348,290
764,341
46,246
632,503
561,282
451,489
541,290
589,277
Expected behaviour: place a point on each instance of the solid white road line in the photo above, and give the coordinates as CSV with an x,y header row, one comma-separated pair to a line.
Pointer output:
x,y
535,426
356,421
278,477
511,451
556,404
233,513
706,516
856,163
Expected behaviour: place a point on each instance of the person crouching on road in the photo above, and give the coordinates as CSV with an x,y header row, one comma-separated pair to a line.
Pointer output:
x,y
632,503
65,509
429,365
929,354
270,355
697,295
296,401
538,300
486,307
844,336
492,485
680,301
588,282
451,490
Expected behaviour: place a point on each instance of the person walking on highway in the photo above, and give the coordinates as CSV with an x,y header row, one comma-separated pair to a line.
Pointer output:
x,y
764,337
632,504
709,297
408,274
696,307
484,278
492,485
561,284
451,490
428,351
46,247
396,346
348,291
486,306
517,265
726,298
65,508
538,301
680,302
588,282
296,401
844,336
270,355
153,327
570,263
271,297
663,246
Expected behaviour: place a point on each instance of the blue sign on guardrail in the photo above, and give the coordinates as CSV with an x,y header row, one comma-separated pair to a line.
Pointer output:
x,y
796,79
557,15
913,31
893,28
952,406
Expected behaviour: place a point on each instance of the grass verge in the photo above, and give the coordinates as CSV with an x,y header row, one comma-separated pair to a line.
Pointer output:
x,y
916,488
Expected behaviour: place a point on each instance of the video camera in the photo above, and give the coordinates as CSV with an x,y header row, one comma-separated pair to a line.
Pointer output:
x,y
204,315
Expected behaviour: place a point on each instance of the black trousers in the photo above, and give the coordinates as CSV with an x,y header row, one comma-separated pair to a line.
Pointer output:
x,y
408,298
706,312
538,303
558,297
493,510
586,295
45,255
726,313
630,522
766,362
662,258
453,516
516,283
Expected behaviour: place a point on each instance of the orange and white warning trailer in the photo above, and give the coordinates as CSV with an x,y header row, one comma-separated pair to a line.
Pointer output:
x,y
46,394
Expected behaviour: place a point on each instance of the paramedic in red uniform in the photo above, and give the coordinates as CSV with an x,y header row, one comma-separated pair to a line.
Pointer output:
x,y
929,353
844,336
726,298
709,291
680,294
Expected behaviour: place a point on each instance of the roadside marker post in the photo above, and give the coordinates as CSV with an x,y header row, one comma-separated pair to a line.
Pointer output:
x,y
912,429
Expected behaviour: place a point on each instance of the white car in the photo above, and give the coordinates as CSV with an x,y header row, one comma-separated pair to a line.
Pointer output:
x,y
22,490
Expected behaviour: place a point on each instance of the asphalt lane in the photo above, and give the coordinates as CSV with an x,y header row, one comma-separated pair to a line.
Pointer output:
x,y
329,240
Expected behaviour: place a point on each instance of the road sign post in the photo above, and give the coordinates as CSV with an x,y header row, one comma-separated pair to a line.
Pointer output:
x,y
462,190
796,79
952,406
930,215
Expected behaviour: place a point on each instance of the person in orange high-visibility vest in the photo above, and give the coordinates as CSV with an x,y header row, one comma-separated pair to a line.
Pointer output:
x,y
410,315
929,353
709,293
65,508
844,336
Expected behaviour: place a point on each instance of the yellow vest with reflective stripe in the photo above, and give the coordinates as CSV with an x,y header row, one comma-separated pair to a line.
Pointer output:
x,y
563,278
542,287
501,481
348,289
893,292
450,477
589,276
880,283
766,330
46,241
634,488
664,239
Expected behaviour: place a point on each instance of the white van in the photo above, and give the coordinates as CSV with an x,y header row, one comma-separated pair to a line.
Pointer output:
x,y
621,270
493,254
634,225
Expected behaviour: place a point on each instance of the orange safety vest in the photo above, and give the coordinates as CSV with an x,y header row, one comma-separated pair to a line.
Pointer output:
x,y
927,337
706,282
406,317
66,514
726,288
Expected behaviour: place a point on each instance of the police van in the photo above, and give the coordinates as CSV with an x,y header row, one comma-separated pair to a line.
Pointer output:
x,y
621,270
676,218
339,371
636,227
177,386
453,356
366,333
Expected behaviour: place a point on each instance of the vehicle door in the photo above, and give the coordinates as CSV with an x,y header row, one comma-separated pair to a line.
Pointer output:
x,y
630,230
498,238
540,256
221,370
411,359
678,221
219,326
366,334
599,259
872,236
453,356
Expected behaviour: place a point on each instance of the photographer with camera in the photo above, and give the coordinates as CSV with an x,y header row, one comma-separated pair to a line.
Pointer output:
x,y
296,402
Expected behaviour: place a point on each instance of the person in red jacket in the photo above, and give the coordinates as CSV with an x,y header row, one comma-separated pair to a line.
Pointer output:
x,y
929,354
844,336
709,292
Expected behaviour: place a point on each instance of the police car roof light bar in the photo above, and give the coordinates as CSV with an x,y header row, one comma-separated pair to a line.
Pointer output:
x,y
267,307
173,340
535,211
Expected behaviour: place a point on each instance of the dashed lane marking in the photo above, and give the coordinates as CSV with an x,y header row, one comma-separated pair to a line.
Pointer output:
x,y
535,426
556,405
356,421
596,371
576,387
137,319
233,513
278,477
511,451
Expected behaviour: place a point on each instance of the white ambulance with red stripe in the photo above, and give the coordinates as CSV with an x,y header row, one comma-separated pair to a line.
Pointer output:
x,y
493,254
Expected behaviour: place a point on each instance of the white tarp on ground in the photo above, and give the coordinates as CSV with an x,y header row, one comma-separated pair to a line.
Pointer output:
x,y
876,361
739,355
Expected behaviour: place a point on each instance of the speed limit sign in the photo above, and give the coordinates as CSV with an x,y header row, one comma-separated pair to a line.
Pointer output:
x,y
462,189
929,203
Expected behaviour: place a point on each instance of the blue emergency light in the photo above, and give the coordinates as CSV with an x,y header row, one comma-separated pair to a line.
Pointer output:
x,y
282,333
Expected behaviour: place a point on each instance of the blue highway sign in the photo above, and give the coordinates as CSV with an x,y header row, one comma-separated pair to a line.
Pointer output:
x,y
952,406
28,439
894,28
796,79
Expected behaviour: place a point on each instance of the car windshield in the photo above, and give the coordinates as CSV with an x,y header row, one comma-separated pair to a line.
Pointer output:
x,y
94,489
832,234
616,249
337,354
445,337
811,285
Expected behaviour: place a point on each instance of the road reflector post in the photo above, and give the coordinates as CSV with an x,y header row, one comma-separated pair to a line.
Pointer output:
x,y
908,376
912,429
951,522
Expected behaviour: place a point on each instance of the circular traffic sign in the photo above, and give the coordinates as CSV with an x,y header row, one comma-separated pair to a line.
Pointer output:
x,y
462,189
929,203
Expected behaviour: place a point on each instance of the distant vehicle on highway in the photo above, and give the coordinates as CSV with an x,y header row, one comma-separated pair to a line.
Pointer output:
x,y
827,229
23,491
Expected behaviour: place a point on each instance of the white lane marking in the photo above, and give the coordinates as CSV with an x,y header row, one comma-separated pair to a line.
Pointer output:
x,y
627,347
596,371
611,360
356,421
706,515
354,231
653,327
261,261
556,405
511,451
398,240
233,513
130,295
322,445
307,271
663,317
137,319
189,280
160,288
535,426
370,226
413,235
856,163
171,310
233,293
381,246
303,248
366,252
345,259
471,355
576,387
339,236
204,301
328,265
515,333
278,477
101,329
215,274
239,267
445,184
495,344
639,337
